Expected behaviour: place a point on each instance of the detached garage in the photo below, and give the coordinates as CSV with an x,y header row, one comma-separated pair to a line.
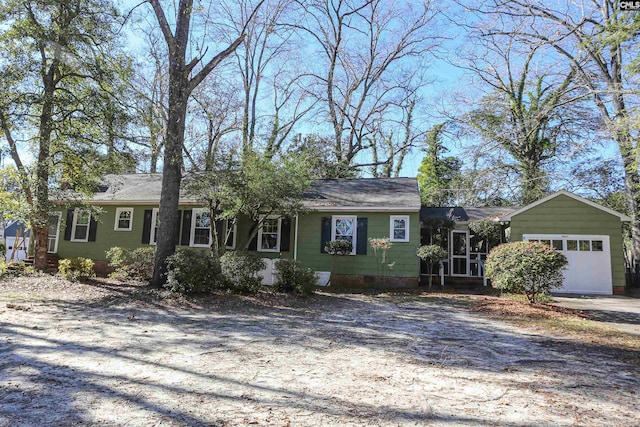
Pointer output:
x,y
588,234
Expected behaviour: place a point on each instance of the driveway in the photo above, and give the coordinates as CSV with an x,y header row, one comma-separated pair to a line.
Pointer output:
x,y
618,312
354,360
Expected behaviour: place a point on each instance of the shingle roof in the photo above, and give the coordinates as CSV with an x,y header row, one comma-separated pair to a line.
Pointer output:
x,y
466,213
322,193
133,188
363,192
16,226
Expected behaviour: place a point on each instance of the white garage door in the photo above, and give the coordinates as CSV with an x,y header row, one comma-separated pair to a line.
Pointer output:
x,y
589,256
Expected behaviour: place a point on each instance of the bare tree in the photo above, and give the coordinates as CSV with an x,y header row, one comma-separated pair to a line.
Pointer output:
x,y
214,115
151,86
272,77
531,114
366,70
183,79
391,141
600,40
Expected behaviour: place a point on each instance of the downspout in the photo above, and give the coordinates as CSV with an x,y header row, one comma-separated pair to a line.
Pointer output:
x,y
295,240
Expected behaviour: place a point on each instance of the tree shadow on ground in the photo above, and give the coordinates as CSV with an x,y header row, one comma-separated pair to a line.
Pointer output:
x,y
421,333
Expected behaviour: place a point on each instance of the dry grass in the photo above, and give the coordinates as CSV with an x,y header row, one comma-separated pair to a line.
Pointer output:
x,y
572,323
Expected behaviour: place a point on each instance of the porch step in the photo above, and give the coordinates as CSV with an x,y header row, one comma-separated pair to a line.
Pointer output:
x,y
52,261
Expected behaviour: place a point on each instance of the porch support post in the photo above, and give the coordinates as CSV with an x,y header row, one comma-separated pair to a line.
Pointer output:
x,y
295,240
441,272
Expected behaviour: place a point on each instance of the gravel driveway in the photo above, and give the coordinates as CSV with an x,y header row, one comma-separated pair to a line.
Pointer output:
x,y
330,360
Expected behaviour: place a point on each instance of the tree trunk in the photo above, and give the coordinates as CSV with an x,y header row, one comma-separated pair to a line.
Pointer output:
x,y
171,176
40,210
533,182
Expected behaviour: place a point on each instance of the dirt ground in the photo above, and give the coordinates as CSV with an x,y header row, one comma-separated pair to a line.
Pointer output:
x,y
113,354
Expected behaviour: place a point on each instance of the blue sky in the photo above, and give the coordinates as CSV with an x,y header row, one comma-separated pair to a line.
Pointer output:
x,y
450,90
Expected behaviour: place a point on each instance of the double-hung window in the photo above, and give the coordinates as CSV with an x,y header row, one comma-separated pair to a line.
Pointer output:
x,y
399,228
124,219
201,228
269,235
80,227
345,228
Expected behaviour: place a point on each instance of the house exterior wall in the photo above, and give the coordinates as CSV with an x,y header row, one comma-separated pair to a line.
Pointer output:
x,y
362,268
106,236
402,254
565,215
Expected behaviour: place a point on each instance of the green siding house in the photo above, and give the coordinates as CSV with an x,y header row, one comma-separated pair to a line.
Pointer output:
x,y
588,234
352,209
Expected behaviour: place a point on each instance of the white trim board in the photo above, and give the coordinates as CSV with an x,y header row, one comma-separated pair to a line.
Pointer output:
x,y
623,217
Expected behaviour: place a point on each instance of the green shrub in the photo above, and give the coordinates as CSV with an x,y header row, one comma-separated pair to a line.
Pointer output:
x,y
291,277
134,264
486,230
431,254
192,271
75,268
240,270
19,269
338,247
3,251
529,268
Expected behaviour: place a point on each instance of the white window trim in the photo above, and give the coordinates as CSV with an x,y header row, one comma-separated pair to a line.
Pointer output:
x,y
259,245
354,218
392,218
193,229
118,212
55,247
76,211
152,232
235,233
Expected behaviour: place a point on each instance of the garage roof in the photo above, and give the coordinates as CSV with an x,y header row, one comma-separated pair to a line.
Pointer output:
x,y
623,217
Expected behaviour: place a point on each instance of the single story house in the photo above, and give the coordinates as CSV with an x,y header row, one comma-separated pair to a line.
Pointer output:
x,y
352,209
588,234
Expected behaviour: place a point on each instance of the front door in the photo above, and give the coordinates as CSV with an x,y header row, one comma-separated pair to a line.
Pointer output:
x,y
54,232
459,253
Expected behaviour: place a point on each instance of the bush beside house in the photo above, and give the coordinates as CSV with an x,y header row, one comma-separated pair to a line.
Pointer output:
x,y
529,268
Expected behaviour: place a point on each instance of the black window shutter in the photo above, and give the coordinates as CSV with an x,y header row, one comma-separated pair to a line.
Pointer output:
x,y
325,236
146,226
178,227
68,224
186,227
361,243
285,235
220,232
253,244
93,227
